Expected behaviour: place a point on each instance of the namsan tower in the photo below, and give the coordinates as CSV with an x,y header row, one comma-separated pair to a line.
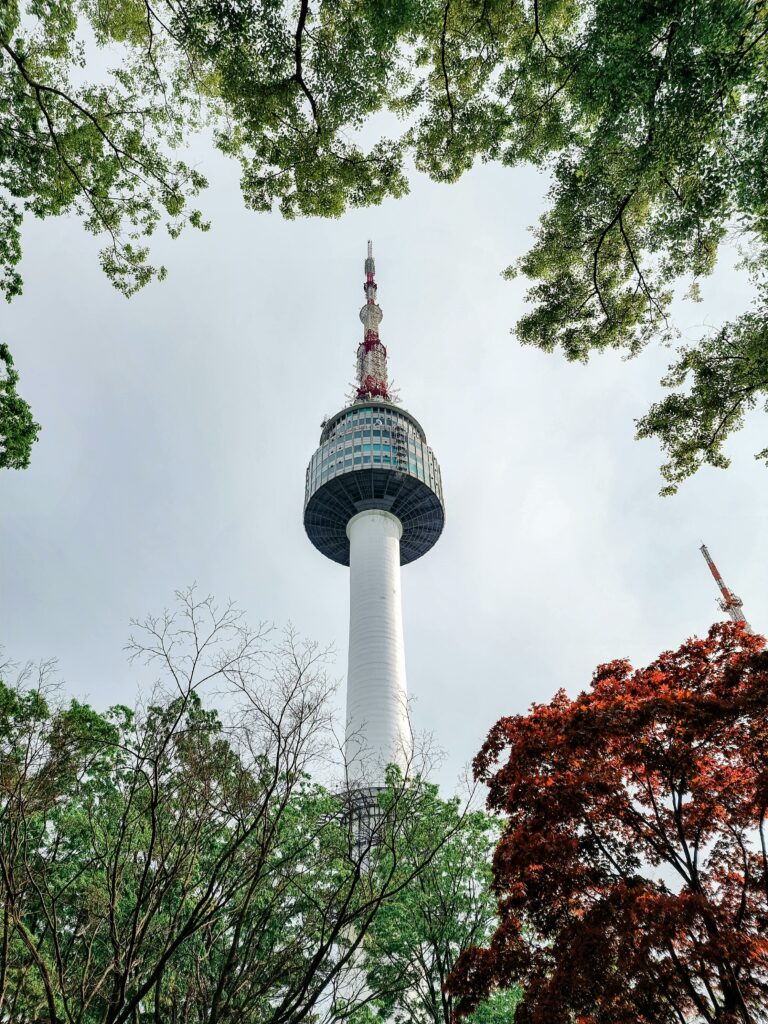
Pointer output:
x,y
374,502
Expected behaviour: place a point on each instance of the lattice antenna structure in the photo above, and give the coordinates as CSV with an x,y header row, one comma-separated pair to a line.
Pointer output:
x,y
729,602
371,369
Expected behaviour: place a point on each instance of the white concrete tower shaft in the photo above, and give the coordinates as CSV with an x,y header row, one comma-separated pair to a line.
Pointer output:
x,y
377,731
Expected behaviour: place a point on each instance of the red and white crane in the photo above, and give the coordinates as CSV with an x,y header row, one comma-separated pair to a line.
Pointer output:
x,y
729,602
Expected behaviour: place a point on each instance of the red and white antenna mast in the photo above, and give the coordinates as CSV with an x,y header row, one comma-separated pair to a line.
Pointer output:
x,y
371,354
729,602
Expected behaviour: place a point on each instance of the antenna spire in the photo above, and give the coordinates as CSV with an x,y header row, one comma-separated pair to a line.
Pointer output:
x,y
371,354
729,602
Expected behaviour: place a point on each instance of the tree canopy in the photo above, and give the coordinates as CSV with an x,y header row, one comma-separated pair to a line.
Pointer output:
x,y
18,431
415,939
632,873
652,119
179,864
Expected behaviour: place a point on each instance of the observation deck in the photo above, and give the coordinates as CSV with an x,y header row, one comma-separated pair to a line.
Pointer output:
x,y
373,455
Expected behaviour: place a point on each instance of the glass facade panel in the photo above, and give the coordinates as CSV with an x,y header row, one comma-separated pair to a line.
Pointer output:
x,y
372,437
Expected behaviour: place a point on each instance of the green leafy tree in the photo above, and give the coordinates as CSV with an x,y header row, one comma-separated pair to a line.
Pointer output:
x,y
652,119
98,96
96,145
18,431
281,85
414,941
174,863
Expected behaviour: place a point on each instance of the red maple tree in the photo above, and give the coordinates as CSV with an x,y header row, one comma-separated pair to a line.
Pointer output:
x,y
632,873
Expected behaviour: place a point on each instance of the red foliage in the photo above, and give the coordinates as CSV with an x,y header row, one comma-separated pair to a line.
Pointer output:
x,y
632,873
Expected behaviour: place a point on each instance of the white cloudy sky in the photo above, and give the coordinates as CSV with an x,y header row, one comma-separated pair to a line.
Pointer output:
x,y
177,428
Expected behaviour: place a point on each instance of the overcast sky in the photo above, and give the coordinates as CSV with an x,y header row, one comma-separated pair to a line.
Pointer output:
x,y
177,426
